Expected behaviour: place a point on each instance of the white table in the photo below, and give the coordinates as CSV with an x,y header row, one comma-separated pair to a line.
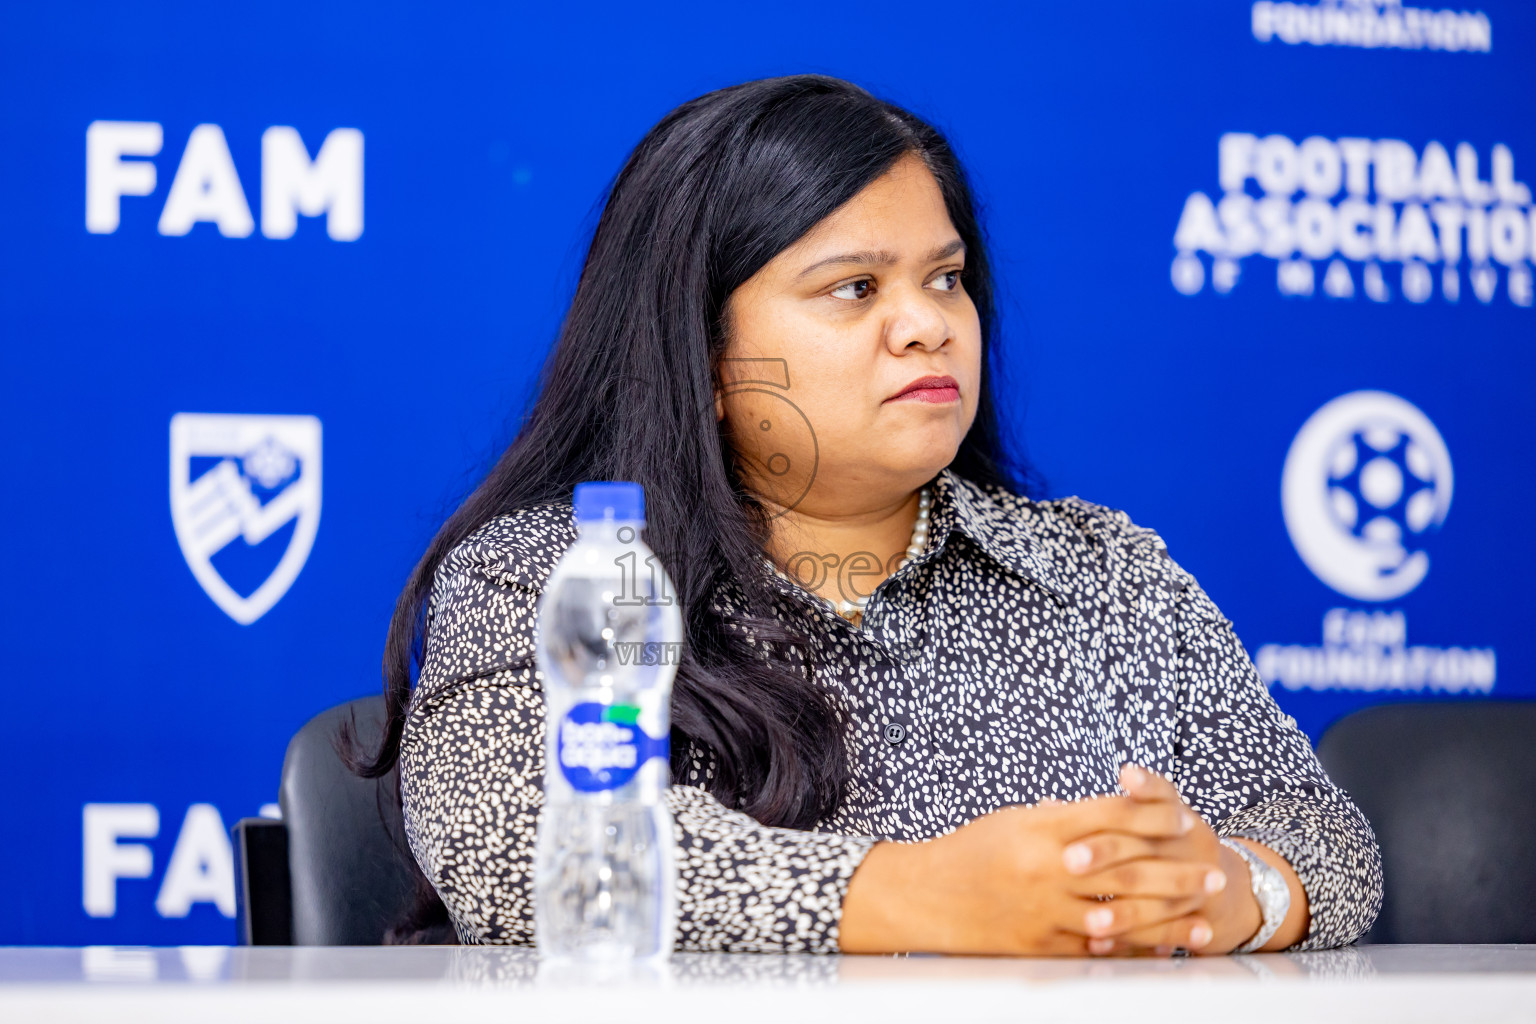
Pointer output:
x,y
449,985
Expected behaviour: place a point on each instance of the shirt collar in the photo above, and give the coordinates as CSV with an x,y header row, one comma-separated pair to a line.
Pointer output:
x,y
1000,530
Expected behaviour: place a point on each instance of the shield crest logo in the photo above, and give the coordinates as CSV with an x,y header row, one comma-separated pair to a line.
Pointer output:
x,y
245,502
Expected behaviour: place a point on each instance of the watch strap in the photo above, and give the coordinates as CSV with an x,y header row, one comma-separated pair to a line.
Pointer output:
x,y
1271,892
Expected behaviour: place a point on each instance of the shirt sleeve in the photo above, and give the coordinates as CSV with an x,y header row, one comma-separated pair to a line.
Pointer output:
x,y
1244,764
472,764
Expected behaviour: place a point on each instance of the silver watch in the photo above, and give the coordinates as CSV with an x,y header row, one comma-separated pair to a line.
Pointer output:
x,y
1269,889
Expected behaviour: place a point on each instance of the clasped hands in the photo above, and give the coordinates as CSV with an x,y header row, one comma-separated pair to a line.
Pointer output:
x,y
1139,873
1170,887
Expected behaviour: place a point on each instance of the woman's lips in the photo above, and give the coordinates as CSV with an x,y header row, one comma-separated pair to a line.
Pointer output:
x,y
936,395
935,390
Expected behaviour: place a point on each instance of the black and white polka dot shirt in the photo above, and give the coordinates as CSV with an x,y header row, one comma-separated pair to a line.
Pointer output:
x,y
1032,649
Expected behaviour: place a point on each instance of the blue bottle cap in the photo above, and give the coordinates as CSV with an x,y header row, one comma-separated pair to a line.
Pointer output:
x,y
609,499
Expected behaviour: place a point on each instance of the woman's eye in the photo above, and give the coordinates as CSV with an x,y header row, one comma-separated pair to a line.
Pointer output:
x,y
864,283
951,279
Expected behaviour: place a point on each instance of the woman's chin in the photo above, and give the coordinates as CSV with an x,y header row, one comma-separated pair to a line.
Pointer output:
x,y
921,459
931,445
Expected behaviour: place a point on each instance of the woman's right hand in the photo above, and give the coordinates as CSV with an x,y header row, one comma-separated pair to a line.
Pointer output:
x,y
1001,885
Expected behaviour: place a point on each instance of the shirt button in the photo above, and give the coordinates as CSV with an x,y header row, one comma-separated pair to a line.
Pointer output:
x,y
895,733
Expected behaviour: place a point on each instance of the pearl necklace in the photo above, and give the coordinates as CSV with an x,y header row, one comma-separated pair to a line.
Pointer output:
x,y
848,609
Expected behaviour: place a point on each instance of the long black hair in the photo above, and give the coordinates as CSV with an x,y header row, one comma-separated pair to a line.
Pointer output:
x,y
714,191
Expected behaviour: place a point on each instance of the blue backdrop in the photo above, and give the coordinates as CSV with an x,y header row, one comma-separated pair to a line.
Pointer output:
x,y
1267,286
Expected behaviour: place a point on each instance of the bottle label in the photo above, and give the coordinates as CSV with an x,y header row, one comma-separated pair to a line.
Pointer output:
x,y
601,746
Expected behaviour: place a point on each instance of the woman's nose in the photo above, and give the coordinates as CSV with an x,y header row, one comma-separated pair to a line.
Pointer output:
x,y
916,319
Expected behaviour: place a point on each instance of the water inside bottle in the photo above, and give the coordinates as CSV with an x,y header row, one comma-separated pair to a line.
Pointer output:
x,y
598,875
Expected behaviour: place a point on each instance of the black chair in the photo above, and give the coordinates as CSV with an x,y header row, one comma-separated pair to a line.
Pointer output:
x,y
335,870
1450,788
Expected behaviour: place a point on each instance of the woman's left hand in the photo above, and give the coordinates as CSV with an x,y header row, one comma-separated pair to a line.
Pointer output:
x,y
1106,863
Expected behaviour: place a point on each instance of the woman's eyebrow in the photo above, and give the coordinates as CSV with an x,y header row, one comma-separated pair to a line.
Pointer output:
x,y
879,258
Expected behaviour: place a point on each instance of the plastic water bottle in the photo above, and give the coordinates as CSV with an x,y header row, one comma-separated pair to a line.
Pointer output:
x,y
609,641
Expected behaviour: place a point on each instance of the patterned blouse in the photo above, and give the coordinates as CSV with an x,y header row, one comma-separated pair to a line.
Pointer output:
x,y
1028,652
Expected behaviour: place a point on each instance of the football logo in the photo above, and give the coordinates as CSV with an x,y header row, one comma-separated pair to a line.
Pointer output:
x,y
245,502
1367,478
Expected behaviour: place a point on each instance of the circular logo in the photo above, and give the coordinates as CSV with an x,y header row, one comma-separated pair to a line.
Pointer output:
x,y
601,746
783,427
779,447
1367,478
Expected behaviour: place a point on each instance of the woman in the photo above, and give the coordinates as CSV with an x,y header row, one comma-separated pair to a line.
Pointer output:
x,y
783,331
